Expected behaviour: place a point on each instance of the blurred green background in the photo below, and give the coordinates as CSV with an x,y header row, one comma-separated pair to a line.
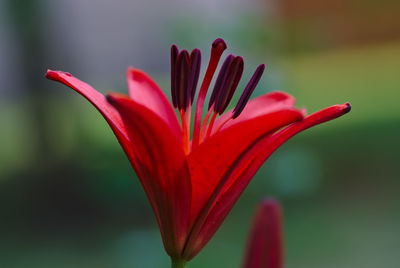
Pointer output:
x,y
68,196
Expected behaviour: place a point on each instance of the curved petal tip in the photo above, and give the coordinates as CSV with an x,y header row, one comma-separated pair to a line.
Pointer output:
x,y
348,107
342,109
53,75
136,74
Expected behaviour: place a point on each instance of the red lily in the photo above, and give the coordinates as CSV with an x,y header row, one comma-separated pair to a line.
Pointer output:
x,y
265,241
192,185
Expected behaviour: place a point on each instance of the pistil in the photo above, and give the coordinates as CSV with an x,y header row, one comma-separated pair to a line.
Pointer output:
x,y
217,49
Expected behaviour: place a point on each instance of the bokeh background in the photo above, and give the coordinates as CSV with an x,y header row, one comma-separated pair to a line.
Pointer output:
x,y
68,196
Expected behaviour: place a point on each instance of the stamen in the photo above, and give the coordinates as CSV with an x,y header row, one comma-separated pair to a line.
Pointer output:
x,y
229,86
244,98
185,70
251,85
217,49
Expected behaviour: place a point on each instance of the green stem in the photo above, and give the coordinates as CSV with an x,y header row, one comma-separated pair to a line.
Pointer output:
x,y
178,263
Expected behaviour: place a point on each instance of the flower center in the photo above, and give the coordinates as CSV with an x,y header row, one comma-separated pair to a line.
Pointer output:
x,y
185,70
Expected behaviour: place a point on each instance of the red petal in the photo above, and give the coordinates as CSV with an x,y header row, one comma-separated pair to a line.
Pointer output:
x,y
143,90
212,160
100,102
261,105
252,161
265,242
162,167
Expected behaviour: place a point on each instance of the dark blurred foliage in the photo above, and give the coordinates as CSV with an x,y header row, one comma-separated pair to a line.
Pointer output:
x,y
26,18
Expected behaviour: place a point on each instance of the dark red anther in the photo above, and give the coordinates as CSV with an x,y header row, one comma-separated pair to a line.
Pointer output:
x,y
182,80
230,84
174,56
220,79
248,90
195,64
185,72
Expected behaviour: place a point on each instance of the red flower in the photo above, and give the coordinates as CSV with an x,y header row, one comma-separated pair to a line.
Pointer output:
x,y
192,185
265,242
